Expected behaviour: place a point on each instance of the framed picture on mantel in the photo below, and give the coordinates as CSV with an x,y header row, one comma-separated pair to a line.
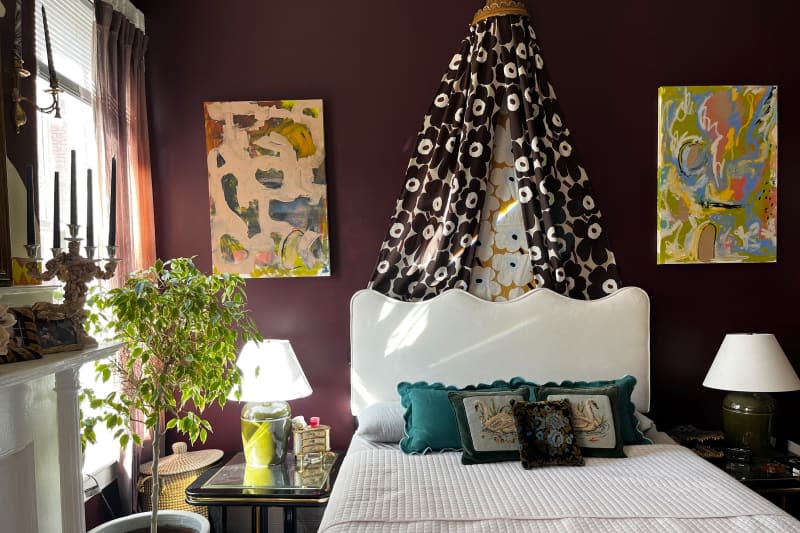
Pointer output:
x,y
43,334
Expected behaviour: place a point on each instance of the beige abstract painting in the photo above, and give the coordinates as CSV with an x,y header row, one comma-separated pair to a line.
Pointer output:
x,y
267,188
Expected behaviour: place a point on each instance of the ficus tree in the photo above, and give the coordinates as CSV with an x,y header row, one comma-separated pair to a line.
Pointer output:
x,y
181,331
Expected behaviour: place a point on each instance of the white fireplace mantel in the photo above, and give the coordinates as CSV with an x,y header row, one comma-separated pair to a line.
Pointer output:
x,y
39,405
41,485
54,363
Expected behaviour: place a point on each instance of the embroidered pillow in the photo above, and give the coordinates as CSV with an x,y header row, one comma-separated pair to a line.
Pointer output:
x,y
545,434
485,424
629,424
430,424
594,416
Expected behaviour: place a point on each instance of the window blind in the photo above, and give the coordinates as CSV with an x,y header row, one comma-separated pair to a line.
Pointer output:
x,y
71,37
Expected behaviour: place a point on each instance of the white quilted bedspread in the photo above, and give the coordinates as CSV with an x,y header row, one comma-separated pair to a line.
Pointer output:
x,y
656,488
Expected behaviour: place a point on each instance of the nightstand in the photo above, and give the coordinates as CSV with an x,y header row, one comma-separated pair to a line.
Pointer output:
x,y
770,477
285,486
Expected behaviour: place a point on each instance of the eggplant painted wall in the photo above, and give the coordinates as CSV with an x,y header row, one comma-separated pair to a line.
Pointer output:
x,y
377,65
20,147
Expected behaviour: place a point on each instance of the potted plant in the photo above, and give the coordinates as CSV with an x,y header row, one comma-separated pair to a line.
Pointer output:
x,y
181,330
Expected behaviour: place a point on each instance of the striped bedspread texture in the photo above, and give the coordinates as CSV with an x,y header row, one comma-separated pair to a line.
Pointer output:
x,y
661,487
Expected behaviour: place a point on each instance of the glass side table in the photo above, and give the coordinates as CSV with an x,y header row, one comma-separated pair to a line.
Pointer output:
x,y
772,477
288,486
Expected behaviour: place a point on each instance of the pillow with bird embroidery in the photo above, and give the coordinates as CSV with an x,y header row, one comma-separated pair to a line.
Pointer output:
x,y
595,417
631,433
486,425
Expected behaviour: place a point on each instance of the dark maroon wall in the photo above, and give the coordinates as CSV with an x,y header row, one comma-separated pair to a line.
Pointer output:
x,y
20,147
377,64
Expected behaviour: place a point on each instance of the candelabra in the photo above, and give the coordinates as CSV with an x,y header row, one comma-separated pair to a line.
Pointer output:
x,y
74,271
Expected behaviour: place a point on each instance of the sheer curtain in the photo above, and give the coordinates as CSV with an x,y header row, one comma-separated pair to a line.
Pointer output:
x,y
121,124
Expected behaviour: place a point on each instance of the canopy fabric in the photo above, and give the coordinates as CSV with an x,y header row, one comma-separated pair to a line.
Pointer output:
x,y
495,199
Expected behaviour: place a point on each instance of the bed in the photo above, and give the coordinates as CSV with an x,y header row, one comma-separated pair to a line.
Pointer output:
x,y
459,339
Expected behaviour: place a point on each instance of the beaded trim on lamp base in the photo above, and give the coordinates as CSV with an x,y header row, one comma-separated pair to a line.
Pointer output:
x,y
500,8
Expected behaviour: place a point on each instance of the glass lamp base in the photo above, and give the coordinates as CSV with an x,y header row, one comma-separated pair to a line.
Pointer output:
x,y
265,432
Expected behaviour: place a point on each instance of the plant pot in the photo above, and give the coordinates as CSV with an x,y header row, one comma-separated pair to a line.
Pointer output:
x,y
192,521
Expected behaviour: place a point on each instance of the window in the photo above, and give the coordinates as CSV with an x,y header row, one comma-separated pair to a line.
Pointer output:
x,y
71,33
70,24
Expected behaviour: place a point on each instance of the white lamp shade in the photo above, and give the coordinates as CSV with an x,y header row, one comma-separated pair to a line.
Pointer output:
x,y
751,362
270,373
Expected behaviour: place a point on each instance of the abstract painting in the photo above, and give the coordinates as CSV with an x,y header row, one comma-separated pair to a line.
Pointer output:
x,y
267,188
718,174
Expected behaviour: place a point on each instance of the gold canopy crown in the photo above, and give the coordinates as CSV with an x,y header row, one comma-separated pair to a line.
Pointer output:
x,y
500,8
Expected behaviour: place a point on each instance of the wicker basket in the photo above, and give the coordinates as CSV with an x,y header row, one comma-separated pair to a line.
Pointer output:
x,y
176,472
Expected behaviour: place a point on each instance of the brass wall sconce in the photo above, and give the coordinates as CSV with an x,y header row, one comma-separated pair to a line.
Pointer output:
x,y
20,72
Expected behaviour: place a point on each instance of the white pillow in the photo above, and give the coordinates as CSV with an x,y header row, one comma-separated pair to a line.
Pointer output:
x,y
382,422
644,423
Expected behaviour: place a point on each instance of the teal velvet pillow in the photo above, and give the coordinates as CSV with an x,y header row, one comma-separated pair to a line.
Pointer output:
x,y
486,424
430,424
594,416
629,424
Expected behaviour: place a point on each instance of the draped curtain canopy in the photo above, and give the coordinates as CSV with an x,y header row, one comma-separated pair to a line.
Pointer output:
x,y
495,199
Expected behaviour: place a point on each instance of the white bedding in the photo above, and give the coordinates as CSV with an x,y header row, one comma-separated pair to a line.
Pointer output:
x,y
662,487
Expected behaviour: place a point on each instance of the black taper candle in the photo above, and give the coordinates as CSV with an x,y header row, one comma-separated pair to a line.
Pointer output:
x,y
73,191
29,189
89,217
56,214
112,217
18,30
50,66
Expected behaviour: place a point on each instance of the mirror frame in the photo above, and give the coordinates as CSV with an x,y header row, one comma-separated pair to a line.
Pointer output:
x,y
5,230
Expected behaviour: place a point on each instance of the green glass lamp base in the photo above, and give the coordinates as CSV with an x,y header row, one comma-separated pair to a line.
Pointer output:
x,y
265,432
748,419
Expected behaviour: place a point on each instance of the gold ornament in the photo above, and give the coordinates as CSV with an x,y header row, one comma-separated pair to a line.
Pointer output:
x,y
500,8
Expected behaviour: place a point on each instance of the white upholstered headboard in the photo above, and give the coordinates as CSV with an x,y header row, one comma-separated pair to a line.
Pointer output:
x,y
459,339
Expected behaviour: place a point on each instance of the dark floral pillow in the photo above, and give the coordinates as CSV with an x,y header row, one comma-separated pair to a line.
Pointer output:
x,y
545,434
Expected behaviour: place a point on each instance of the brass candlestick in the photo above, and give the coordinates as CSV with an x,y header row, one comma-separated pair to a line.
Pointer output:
x,y
75,272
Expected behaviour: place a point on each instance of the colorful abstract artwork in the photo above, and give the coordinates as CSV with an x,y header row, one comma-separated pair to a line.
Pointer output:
x,y
718,174
267,188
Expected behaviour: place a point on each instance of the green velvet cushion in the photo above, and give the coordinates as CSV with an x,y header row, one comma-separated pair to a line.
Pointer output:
x,y
545,434
430,424
629,423
486,425
595,417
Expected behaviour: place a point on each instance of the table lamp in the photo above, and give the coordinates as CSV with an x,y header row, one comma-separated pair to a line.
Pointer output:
x,y
750,365
271,375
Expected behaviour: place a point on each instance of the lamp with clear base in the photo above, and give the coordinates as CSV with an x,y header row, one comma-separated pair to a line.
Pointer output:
x,y
271,375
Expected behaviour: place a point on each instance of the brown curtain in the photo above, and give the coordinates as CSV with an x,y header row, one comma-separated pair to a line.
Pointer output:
x,y
120,108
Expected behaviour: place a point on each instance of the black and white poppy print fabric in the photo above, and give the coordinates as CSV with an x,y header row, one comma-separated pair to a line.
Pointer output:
x,y
496,82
